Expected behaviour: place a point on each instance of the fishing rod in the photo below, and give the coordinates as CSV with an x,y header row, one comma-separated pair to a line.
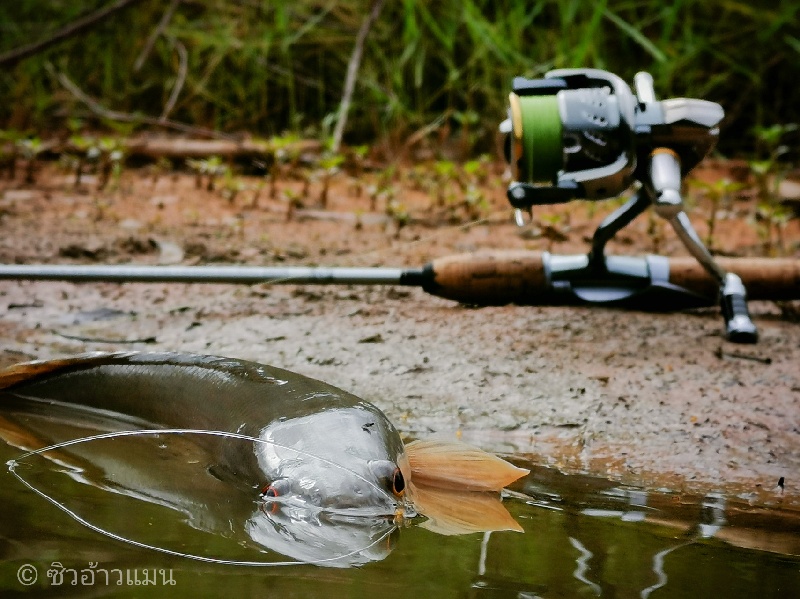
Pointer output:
x,y
520,277
574,134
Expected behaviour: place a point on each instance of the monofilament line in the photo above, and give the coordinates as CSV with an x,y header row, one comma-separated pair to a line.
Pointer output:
x,y
12,468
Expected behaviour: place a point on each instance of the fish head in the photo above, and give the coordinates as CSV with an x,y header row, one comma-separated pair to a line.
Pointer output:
x,y
348,460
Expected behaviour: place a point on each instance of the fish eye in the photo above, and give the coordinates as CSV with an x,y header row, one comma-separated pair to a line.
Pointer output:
x,y
398,482
390,476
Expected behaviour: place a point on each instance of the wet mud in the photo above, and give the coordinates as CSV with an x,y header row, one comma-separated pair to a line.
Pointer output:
x,y
651,400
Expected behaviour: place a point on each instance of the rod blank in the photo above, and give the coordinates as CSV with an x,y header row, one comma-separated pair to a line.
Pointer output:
x,y
247,275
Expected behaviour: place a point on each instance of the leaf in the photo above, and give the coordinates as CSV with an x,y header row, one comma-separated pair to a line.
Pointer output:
x,y
636,36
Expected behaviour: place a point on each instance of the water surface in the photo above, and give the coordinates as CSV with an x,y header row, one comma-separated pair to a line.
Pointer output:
x,y
583,537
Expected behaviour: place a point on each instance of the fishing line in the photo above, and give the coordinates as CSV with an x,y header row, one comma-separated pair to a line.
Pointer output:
x,y
228,434
13,463
541,138
490,218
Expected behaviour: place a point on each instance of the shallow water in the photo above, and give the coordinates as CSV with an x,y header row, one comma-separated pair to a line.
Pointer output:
x,y
583,537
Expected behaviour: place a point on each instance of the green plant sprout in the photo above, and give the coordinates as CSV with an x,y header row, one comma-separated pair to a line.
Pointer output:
x,y
161,167
9,151
771,216
211,168
294,202
101,206
446,174
398,214
359,219
469,121
359,155
719,195
231,185
80,145
111,161
329,164
30,149
196,166
373,191
477,170
284,156
475,202
257,189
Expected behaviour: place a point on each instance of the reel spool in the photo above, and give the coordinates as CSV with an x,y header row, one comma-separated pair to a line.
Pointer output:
x,y
571,135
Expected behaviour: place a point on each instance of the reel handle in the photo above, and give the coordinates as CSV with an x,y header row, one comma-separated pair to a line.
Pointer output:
x,y
643,82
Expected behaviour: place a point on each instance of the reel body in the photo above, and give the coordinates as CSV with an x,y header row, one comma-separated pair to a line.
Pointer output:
x,y
584,134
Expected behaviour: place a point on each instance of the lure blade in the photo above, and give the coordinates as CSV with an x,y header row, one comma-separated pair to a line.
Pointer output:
x,y
452,465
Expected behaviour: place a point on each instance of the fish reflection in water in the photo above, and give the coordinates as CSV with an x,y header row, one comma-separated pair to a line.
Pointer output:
x,y
335,478
291,528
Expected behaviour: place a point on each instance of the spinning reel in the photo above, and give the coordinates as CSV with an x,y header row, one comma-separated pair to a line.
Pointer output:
x,y
583,134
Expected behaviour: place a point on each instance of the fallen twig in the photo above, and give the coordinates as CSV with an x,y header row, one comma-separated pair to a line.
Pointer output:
x,y
125,117
183,147
722,354
101,340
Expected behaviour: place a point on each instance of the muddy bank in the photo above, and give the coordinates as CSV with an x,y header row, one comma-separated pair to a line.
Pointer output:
x,y
650,399
657,400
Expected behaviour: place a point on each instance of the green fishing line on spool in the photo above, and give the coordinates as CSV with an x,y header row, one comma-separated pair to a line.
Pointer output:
x,y
541,138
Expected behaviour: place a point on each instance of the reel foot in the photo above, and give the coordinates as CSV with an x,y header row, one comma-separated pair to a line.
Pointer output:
x,y
739,327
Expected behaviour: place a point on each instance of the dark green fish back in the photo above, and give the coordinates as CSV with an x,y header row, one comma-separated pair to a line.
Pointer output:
x,y
174,389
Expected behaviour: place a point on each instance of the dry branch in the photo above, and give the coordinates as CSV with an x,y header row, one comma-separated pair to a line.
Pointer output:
x,y
352,71
162,25
155,147
183,67
12,57
124,117
180,147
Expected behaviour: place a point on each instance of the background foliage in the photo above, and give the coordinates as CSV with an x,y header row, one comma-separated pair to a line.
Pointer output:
x,y
268,67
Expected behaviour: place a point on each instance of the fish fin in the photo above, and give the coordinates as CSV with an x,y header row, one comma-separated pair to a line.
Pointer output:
x,y
17,436
451,512
453,465
26,372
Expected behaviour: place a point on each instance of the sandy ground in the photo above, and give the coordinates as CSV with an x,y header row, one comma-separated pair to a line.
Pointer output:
x,y
659,400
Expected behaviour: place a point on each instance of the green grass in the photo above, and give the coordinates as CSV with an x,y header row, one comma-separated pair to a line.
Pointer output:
x,y
271,67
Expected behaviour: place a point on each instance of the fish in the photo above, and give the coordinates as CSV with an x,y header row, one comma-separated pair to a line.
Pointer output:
x,y
318,445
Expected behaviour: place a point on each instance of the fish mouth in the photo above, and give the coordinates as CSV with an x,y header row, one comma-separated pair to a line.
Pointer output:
x,y
360,501
399,513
